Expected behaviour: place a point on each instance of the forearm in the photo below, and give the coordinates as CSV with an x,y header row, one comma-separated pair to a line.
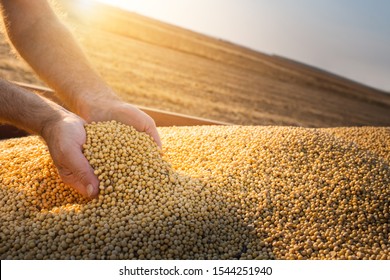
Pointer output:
x,y
26,110
47,45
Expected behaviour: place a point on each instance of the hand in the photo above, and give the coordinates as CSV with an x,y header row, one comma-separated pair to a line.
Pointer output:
x,y
65,138
124,113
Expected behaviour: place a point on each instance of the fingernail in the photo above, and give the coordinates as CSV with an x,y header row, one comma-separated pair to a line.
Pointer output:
x,y
89,190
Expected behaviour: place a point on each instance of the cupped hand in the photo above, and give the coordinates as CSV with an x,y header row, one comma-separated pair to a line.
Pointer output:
x,y
125,113
66,135
65,138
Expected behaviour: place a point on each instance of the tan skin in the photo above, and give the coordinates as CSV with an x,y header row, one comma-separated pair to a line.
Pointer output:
x,y
50,49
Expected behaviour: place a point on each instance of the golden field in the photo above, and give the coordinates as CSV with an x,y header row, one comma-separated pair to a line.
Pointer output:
x,y
157,65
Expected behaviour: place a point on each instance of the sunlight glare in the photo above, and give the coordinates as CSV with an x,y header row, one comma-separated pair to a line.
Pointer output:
x,y
125,4
85,5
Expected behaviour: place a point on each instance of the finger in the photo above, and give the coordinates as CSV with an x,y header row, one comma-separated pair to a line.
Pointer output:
x,y
152,131
144,123
138,119
76,171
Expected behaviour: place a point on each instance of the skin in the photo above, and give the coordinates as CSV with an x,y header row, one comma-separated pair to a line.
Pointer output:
x,y
50,49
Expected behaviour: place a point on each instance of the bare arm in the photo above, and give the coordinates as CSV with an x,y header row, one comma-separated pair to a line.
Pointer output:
x,y
26,110
40,116
47,45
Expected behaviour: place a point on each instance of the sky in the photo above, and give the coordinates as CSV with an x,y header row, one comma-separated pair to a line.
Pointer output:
x,y
350,38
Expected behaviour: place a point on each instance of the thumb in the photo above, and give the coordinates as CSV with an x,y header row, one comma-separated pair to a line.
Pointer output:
x,y
152,131
76,171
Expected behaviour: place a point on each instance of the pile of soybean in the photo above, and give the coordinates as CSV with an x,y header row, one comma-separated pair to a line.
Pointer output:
x,y
213,192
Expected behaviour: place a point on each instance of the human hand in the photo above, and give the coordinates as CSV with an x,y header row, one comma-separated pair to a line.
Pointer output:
x,y
65,137
123,112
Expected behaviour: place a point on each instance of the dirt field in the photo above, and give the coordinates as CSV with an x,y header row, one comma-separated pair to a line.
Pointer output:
x,y
153,64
